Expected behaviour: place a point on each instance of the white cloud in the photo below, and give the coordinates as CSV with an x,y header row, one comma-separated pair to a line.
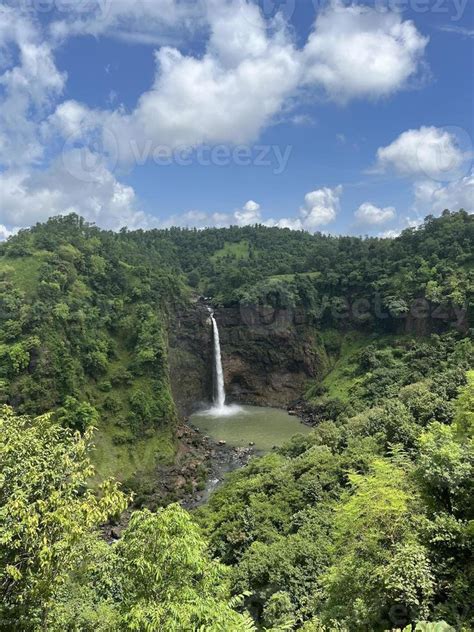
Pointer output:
x,y
458,30
151,22
249,72
389,234
356,51
73,120
5,233
249,214
320,207
30,196
303,120
369,214
27,89
434,198
427,152
227,96
293,223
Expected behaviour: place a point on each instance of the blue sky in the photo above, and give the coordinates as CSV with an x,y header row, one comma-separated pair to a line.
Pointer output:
x,y
344,117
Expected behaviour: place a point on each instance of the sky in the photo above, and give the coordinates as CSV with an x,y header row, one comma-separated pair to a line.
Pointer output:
x,y
337,116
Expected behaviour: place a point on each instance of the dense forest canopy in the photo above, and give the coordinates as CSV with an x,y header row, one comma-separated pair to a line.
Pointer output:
x,y
364,524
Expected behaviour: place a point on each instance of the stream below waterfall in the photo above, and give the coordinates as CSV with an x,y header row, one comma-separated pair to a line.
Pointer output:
x,y
248,431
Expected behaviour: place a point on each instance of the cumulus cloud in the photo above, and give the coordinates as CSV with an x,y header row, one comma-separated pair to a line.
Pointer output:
x,y
228,95
433,198
28,87
427,152
30,196
320,207
249,214
356,51
371,215
248,73
5,233
439,162
389,234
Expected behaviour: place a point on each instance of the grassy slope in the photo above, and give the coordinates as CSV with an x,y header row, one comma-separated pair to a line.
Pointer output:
x,y
239,250
117,452
137,459
23,271
341,380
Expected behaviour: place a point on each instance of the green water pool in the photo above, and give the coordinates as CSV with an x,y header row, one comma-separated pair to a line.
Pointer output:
x,y
239,426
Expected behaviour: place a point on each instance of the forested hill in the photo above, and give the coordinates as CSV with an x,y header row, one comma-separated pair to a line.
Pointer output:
x,y
85,312
365,524
243,264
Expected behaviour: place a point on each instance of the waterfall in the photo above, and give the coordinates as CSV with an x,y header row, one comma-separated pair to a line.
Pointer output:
x,y
219,408
219,395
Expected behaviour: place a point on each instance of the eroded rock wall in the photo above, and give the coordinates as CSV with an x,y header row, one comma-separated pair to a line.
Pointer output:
x,y
268,355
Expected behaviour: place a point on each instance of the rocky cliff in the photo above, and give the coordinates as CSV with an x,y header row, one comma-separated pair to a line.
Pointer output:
x,y
268,355
190,358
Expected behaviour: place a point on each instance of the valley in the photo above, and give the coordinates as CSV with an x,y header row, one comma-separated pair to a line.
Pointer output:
x,y
280,416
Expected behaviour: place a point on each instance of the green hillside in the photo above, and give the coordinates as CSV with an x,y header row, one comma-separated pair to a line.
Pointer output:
x,y
365,524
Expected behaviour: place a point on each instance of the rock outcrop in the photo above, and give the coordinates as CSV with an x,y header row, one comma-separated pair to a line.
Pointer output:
x,y
190,357
268,355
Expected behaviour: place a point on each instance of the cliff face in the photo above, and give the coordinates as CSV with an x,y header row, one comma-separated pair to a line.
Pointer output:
x,y
268,355
190,358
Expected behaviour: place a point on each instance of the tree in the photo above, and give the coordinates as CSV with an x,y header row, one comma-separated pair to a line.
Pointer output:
x,y
169,582
446,466
46,509
464,409
77,415
374,525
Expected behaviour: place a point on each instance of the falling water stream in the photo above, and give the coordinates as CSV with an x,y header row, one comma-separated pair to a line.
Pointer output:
x,y
219,395
240,426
